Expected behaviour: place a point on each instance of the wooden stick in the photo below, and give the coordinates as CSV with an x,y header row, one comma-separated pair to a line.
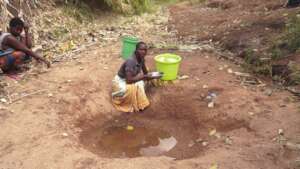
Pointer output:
x,y
26,95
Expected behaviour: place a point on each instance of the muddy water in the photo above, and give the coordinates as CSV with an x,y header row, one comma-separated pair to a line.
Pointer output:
x,y
134,141
129,136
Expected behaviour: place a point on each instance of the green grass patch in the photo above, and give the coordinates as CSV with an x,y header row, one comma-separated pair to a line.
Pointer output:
x,y
254,64
81,13
289,42
295,73
129,7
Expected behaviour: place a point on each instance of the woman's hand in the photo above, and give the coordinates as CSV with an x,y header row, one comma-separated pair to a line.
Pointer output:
x,y
149,77
146,77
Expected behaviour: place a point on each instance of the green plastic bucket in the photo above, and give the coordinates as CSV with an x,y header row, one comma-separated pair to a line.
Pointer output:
x,y
129,45
168,64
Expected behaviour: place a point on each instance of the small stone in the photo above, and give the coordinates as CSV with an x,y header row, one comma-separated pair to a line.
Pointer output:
x,y
218,135
241,74
105,68
280,131
199,140
81,68
69,81
204,143
206,57
282,105
209,97
228,141
3,100
65,134
251,113
50,95
191,144
183,77
213,95
229,71
221,68
205,87
268,92
211,105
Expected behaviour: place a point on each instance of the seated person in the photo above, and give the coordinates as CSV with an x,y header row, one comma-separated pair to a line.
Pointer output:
x,y
14,48
292,3
128,93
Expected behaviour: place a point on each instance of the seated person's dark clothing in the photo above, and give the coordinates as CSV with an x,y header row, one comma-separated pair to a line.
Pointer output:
x,y
131,65
293,3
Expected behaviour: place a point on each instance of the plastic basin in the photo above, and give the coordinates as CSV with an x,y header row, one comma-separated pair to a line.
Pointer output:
x,y
129,45
168,64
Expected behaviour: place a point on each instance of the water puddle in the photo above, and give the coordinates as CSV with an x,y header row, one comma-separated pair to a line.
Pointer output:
x,y
133,141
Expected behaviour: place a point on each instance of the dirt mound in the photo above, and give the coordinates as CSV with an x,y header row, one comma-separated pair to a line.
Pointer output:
x,y
253,31
235,25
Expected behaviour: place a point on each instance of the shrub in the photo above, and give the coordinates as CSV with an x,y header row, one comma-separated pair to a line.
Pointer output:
x,y
129,6
289,42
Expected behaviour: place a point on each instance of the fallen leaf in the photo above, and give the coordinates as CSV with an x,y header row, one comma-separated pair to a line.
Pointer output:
x,y
129,128
212,132
214,166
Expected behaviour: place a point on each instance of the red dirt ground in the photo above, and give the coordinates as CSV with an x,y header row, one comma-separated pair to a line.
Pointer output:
x,y
50,129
